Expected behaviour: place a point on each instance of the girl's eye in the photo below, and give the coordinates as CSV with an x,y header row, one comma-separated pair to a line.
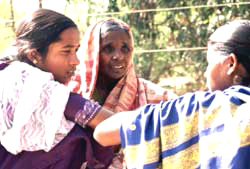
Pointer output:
x,y
125,49
66,51
108,49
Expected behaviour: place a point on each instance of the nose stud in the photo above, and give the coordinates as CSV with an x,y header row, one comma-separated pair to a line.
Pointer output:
x,y
35,61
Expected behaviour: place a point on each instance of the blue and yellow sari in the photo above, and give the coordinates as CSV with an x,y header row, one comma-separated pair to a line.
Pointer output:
x,y
197,130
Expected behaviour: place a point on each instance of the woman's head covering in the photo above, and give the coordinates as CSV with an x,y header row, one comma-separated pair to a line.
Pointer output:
x,y
130,92
88,55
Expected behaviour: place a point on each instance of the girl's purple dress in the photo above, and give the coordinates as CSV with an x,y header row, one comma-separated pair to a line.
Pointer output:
x,y
75,149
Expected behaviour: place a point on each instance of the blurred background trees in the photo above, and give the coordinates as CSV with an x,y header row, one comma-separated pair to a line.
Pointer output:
x,y
169,43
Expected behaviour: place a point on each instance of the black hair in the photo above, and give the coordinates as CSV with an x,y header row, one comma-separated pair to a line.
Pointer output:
x,y
233,37
39,31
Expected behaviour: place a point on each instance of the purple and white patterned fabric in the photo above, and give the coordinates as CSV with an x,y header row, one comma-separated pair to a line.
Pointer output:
x,y
31,109
72,144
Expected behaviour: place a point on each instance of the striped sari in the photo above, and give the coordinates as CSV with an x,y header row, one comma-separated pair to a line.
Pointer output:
x,y
197,130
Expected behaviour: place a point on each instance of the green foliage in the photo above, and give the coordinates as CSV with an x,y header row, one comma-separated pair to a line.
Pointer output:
x,y
7,34
184,28
6,38
113,6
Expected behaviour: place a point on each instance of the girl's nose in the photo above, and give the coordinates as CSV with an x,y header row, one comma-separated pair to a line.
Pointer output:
x,y
74,60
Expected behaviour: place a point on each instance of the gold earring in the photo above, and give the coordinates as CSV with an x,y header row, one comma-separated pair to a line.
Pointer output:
x,y
35,61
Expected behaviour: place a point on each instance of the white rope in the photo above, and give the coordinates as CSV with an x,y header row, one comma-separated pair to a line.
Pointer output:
x,y
170,50
158,10
167,9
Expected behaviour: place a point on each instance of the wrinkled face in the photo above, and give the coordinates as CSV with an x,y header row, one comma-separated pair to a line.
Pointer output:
x,y
61,59
216,72
115,54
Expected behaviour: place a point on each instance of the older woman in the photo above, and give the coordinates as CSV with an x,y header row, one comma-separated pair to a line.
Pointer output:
x,y
106,71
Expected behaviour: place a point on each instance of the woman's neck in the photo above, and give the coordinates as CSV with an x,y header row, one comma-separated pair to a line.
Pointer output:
x,y
104,86
105,83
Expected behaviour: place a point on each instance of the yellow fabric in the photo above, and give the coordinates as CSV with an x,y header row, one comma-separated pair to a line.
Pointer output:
x,y
197,130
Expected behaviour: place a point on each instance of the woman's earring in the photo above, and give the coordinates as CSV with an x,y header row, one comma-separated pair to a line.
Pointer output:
x,y
237,80
35,61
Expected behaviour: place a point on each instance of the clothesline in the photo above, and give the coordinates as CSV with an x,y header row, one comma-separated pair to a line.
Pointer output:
x,y
170,50
166,9
155,10
160,10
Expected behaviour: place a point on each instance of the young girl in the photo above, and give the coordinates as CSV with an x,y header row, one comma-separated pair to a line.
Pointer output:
x,y
43,124
197,130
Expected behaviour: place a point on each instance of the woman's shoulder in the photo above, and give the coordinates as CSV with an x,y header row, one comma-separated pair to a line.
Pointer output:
x,y
151,85
155,89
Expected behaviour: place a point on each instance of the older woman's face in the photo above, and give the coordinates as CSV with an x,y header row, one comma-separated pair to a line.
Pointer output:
x,y
216,72
115,54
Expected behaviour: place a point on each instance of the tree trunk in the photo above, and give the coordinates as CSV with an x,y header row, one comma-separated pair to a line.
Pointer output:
x,y
40,3
12,18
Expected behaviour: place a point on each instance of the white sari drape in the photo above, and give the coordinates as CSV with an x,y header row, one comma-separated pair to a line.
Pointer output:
x,y
32,107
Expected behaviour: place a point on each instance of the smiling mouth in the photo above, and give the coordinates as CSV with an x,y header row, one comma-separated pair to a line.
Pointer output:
x,y
118,67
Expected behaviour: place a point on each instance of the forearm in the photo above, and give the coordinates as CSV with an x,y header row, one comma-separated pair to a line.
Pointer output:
x,y
101,115
107,133
85,112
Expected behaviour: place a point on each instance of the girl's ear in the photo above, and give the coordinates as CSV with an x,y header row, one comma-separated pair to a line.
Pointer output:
x,y
34,56
232,63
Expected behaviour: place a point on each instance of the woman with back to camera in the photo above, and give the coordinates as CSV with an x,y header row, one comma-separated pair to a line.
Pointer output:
x,y
42,123
200,129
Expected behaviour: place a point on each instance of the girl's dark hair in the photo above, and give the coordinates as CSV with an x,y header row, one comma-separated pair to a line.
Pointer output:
x,y
233,37
39,31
